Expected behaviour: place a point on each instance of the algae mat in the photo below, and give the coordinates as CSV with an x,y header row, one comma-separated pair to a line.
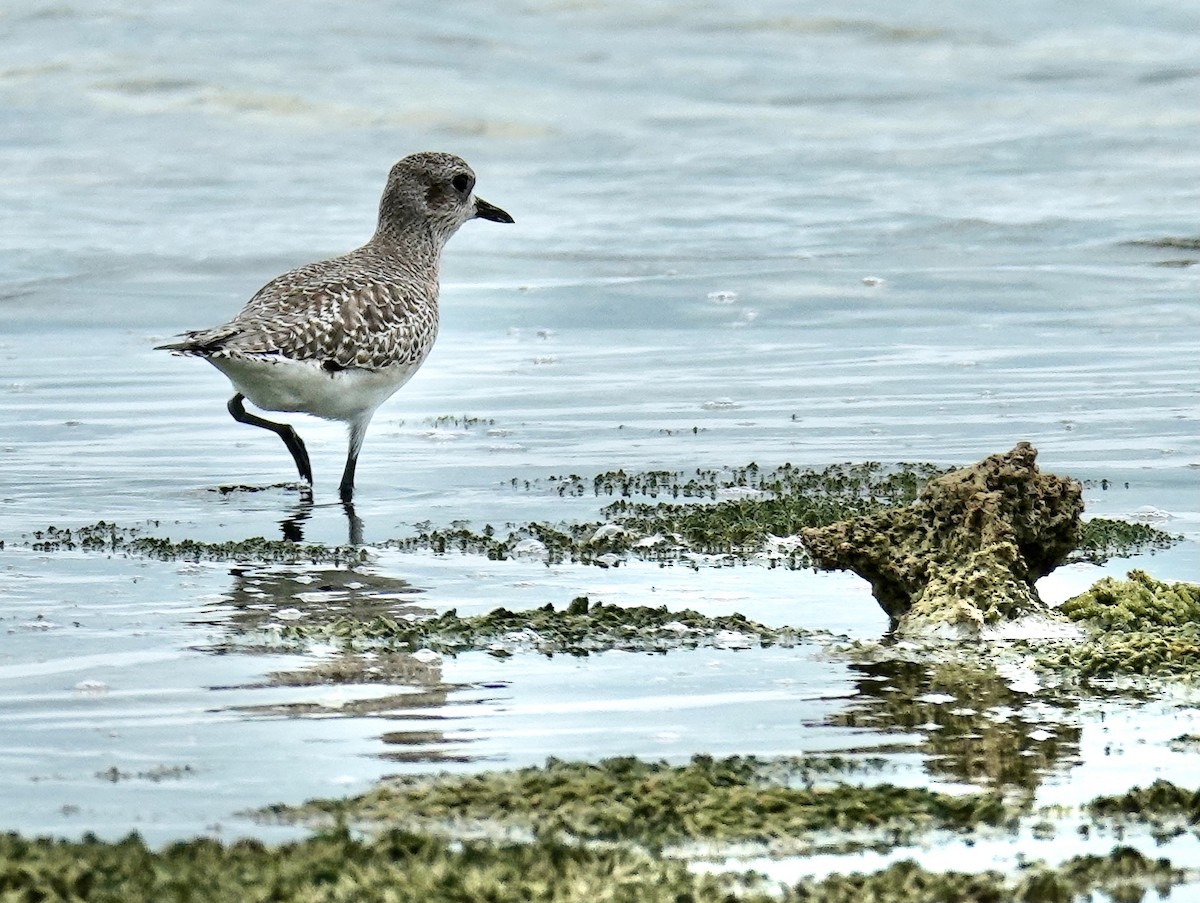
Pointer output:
x,y
475,647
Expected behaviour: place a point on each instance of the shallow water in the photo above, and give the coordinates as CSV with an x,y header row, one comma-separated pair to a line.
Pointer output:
x,y
744,232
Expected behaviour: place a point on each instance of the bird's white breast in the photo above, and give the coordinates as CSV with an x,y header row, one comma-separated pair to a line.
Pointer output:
x,y
283,384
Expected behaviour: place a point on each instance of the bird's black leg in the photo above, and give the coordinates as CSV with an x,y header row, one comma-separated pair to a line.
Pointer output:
x,y
358,432
284,431
346,489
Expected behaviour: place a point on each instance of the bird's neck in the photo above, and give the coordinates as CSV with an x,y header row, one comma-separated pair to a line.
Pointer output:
x,y
411,241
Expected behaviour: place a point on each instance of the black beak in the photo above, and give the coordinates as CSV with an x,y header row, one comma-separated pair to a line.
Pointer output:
x,y
484,210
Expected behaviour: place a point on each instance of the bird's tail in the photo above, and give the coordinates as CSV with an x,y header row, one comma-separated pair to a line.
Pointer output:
x,y
201,342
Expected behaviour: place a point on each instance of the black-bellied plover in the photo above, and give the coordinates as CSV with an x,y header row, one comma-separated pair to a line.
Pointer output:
x,y
337,338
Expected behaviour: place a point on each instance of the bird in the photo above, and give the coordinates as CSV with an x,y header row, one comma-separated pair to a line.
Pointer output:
x,y
336,338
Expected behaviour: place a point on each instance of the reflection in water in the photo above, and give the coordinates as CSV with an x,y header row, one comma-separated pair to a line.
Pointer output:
x,y
355,537
419,695
350,681
976,726
310,595
292,526
426,746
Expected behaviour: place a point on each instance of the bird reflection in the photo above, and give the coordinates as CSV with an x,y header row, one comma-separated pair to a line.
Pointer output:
x,y
355,523
394,685
313,595
292,526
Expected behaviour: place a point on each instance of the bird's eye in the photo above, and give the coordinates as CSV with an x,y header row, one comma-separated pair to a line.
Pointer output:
x,y
461,182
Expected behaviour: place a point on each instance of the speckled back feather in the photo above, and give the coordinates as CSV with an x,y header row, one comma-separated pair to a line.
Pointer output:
x,y
365,309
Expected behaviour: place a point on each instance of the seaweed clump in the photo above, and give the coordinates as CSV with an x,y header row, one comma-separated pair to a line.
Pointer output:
x,y
654,804
968,552
403,867
734,516
395,866
1135,626
727,516
113,539
580,628
1124,874
1168,808
1101,539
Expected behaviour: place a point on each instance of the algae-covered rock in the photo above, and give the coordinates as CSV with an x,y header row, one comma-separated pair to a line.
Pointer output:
x,y
1136,603
968,552
1136,626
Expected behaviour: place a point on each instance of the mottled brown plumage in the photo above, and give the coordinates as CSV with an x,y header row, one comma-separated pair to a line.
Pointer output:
x,y
338,337
359,310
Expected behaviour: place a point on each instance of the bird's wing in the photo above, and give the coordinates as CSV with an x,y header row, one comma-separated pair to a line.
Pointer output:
x,y
331,315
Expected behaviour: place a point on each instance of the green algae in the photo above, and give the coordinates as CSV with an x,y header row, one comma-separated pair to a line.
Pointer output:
x,y
1167,808
1137,626
1137,603
156,775
782,500
113,539
1186,743
1101,539
777,503
396,867
1175,654
401,867
734,515
580,628
1124,875
1161,799
654,804
732,531
886,483
460,421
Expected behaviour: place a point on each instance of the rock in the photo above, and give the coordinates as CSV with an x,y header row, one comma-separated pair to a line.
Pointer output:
x,y
967,553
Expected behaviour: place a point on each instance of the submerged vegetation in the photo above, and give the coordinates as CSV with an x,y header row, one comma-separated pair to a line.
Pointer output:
x,y
596,833
1101,539
738,515
655,805
1169,808
580,831
735,516
578,629
113,539
402,867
